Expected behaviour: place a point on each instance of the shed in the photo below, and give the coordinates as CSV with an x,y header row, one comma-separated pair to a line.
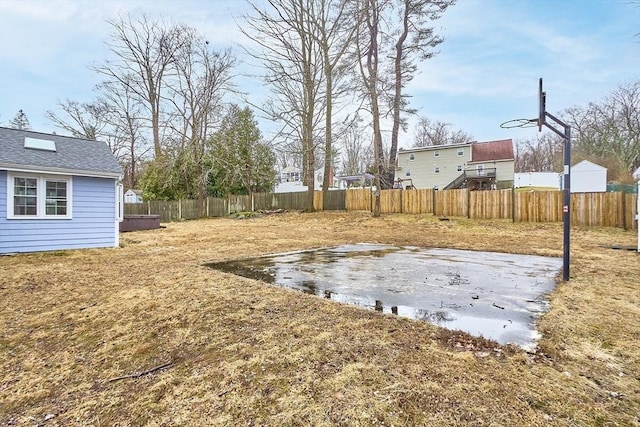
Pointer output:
x,y
133,196
537,179
57,193
588,177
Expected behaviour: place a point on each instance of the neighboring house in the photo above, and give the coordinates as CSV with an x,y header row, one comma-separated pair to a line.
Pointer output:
x,y
290,180
349,181
549,180
290,174
588,177
133,196
57,193
476,165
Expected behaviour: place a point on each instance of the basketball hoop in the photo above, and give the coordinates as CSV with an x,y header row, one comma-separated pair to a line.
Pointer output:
x,y
519,123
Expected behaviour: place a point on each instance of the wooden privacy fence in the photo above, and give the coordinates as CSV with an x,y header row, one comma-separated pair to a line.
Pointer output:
x,y
587,209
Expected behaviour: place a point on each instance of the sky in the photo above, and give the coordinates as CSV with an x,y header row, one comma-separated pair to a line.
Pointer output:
x,y
486,71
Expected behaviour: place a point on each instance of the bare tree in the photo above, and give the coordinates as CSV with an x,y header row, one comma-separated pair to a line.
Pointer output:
x,y
126,128
204,77
610,128
293,61
82,120
113,118
356,149
415,41
429,133
369,63
144,50
334,31
542,154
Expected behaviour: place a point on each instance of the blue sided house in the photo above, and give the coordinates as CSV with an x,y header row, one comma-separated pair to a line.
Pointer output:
x,y
57,192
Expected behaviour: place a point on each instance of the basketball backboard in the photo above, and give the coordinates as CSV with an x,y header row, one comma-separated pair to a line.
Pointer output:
x,y
542,101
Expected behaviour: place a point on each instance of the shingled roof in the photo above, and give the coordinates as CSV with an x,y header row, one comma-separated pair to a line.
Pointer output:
x,y
492,150
74,156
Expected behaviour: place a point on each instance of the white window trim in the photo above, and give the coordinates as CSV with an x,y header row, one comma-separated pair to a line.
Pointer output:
x,y
436,169
41,195
119,202
460,151
412,157
436,153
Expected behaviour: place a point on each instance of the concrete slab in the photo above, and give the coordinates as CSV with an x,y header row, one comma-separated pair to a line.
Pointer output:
x,y
494,295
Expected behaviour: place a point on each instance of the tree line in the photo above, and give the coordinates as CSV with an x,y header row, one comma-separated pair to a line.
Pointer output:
x,y
337,72
606,132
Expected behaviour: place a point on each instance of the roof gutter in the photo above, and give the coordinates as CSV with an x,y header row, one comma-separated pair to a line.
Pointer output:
x,y
60,171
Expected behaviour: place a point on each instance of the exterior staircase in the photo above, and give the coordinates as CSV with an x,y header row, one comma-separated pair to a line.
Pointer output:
x,y
471,175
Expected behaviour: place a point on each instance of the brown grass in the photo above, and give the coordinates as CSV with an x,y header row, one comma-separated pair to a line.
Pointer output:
x,y
247,353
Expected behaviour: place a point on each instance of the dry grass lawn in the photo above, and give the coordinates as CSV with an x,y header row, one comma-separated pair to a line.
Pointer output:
x,y
242,352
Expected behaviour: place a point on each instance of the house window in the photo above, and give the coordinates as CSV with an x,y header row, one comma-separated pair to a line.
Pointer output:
x,y
460,151
25,196
32,196
412,157
459,168
407,173
436,153
435,187
56,198
436,169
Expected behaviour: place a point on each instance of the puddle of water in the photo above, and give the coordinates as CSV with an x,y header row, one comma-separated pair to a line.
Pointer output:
x,y
494,295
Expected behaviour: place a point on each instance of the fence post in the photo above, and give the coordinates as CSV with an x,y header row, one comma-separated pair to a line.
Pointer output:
x,y
433,200
371,201
513,204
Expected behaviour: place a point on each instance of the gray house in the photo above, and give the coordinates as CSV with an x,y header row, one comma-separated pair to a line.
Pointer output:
x,y
57,192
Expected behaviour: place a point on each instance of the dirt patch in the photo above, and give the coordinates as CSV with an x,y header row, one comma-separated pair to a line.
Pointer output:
x,y
246,353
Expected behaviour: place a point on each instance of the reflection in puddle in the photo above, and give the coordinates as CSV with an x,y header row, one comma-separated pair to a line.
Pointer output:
x,y
497,296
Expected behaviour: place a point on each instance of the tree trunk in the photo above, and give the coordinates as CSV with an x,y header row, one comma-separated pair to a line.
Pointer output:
x,y
397,96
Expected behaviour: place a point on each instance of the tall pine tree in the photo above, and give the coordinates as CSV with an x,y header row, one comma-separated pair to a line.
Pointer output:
x,y
20,121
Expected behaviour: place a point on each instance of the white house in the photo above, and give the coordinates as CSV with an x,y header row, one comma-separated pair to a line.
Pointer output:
x,y
133,196
588,177
290,180
57,193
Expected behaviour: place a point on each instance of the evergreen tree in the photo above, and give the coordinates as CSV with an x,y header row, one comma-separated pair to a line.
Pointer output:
x,y
20,121
241,161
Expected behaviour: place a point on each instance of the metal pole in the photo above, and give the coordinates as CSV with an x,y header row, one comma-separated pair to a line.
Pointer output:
x,y
566,209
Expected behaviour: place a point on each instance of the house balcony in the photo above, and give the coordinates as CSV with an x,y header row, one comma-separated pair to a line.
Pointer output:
x,y
474,178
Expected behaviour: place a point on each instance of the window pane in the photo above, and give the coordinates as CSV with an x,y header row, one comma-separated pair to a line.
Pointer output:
x,y
56,198
25,200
